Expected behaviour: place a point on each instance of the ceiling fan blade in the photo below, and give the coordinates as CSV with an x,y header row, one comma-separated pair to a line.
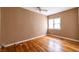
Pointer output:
x,y
40,9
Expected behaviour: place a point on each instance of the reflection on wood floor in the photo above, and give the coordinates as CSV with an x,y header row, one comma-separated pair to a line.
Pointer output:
x,y
44,44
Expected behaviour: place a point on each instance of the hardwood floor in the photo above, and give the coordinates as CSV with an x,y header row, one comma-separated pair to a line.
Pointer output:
x,y
44,44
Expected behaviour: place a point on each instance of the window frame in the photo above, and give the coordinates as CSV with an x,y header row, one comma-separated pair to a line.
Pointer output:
x,y
54,23
49,25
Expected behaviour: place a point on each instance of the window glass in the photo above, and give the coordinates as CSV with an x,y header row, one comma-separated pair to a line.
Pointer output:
x,y
55,23
51,24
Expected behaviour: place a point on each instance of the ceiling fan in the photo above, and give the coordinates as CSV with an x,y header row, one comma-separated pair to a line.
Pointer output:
x,y
41,9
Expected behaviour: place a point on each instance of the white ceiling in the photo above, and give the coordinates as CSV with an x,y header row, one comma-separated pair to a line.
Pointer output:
x,y
51,10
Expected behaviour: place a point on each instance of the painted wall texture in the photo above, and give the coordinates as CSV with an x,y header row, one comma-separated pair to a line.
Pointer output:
x,y
20,24
69,24
0,25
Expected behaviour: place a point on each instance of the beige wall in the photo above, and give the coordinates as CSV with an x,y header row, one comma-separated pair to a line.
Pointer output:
x,y
0,25
78,23
20,24
69,24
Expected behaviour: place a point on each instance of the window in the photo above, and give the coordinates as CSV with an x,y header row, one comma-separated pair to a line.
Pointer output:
x,y
55,23
51,24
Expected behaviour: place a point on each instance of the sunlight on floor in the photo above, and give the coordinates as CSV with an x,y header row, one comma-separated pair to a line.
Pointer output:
x,y
55,45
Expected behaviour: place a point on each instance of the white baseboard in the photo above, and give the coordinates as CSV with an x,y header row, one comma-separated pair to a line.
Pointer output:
x,y
38,37
63,37
22,41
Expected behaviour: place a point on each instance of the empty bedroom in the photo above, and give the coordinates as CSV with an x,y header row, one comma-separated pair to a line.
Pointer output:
x,y
39,29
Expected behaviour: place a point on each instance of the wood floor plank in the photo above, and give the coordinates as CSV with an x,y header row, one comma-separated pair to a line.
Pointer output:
x,y
36,47
44,44
19,48
42,47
